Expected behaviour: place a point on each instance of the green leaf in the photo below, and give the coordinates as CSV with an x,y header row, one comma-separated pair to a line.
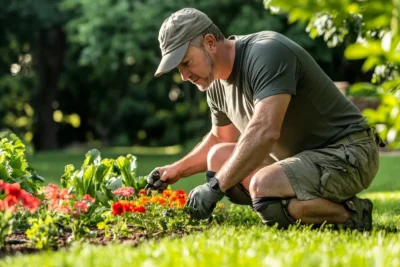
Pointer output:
x,y
370,63
141,182
104,170
4,175
127,165
88,176
100,196
114,183
66,177
92,157
359,51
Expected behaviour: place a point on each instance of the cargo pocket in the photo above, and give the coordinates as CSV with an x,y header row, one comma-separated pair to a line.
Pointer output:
x,y
339,178
364,156
334,182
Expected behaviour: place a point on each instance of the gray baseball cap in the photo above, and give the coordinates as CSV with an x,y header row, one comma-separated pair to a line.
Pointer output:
x,y
175,35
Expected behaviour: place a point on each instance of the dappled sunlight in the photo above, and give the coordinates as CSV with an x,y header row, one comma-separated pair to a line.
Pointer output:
x,y
383,196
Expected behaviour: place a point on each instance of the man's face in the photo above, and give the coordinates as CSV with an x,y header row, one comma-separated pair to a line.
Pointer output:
x,y
197,66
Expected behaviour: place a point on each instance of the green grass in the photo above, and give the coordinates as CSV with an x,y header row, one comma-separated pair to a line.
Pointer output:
x,y
243,245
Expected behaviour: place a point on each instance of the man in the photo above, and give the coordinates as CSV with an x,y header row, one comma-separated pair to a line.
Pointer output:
x,y
284,139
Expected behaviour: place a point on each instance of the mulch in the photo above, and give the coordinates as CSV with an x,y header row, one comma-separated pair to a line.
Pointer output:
x,y
18,243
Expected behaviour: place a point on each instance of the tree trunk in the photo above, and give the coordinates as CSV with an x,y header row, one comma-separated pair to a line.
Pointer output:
x,y
51,45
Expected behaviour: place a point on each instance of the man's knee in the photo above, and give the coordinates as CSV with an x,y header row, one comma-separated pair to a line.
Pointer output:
x,y
270,181
218,154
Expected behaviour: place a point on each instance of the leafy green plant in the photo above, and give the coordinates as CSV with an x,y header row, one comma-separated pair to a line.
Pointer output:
x,y
6,225
386,118
13,165
43,232
99,177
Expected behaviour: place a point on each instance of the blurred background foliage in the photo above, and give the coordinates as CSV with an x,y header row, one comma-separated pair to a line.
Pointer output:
x,y
81,71
368,31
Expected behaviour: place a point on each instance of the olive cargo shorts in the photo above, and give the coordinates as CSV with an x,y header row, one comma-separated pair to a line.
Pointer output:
x,y
335,172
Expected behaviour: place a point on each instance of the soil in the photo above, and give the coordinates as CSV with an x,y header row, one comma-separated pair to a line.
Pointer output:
x,y
18,243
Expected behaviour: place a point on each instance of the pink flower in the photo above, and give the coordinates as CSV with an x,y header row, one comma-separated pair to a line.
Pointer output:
x,y
124,191
81,206
88,198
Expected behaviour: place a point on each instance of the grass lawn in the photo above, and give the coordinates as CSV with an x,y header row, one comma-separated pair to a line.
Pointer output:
x,y
241,245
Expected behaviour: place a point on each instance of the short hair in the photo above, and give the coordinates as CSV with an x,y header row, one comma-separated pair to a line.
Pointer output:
x,y
213,29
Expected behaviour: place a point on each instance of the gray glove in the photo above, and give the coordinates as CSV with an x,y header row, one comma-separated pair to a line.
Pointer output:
x,y
154,181
202,201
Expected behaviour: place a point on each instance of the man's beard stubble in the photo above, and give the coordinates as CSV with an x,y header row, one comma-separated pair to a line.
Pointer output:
x,y
210,63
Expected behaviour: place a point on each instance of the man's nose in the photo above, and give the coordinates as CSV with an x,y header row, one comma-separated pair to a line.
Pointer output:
x,y
185,75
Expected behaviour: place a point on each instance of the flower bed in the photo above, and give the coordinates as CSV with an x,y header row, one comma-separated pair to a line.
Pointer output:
x,y
103,201
55,218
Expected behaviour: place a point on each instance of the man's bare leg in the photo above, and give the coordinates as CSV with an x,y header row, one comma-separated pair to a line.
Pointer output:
x,y
271,181
218,155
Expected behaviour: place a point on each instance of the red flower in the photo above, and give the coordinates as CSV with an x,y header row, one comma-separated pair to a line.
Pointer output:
x,y
140,209
81,206
182,201
129,206
63,209
88,198
64,195
117,208
180,192
14,195
166,193
11,201
51,191
13,189
29,202
143,192
124,191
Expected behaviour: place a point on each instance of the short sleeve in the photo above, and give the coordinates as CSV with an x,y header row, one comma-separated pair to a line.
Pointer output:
x,y
218,117
272,69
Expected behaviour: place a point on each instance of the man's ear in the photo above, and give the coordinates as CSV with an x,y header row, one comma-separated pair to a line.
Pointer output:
x,y
210,43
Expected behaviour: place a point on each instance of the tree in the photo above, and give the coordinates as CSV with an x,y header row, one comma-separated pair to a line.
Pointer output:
x,y
33,31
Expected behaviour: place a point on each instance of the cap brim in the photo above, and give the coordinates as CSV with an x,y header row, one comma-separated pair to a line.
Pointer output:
x,y
172,60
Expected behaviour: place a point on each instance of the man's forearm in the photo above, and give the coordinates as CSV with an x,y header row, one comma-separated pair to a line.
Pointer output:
x,y
250,152
196,160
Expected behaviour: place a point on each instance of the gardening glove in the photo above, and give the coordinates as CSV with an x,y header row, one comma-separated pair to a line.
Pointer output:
x,y
202,201
154,181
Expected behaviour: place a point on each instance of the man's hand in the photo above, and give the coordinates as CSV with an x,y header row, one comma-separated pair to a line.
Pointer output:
x,y
202,201
161,177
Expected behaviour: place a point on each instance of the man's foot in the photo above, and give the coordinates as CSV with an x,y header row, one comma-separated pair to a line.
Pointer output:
x,y
360,212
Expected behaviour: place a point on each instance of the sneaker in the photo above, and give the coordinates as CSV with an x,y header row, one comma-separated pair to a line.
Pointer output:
x,y
360,211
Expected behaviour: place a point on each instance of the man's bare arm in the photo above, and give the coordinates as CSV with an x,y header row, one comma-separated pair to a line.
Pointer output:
x,y
196,160
256,142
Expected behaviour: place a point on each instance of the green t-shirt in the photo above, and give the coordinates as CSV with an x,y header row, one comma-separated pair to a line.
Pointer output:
x,y
268,63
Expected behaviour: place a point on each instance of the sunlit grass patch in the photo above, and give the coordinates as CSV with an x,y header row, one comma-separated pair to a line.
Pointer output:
x,y
386,214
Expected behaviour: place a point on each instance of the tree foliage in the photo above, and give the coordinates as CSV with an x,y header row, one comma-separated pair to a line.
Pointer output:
x,y
369,31
82,70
